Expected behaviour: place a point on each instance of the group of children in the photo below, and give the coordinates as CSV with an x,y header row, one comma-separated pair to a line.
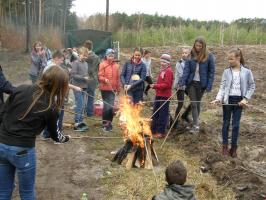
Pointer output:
x,y
194,75
31,109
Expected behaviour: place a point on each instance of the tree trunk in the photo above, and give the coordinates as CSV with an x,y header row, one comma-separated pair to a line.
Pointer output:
x,y
28,26
40,16
9,11
107,16
16,13
65,16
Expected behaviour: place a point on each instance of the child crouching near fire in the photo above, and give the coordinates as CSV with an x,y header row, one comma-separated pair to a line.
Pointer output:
x,y
176,176
163,88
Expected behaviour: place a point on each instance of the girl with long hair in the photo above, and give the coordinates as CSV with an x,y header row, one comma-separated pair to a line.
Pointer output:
x,y
133,76
198,77
27,111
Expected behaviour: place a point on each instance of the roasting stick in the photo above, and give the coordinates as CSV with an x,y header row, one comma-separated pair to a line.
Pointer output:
x,y
91,137
86,93
155,176
94,137
163,104
169,131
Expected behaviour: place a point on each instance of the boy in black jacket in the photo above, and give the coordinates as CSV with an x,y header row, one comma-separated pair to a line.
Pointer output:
x,y
176,175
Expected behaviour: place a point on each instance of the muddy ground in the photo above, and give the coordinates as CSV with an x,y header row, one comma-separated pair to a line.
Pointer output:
x,y
83,165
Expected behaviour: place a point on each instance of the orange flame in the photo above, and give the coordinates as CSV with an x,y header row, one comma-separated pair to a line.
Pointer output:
x,y
133,124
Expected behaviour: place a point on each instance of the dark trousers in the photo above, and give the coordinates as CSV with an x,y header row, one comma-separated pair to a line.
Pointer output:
x,y
160,118
59,123
108,106
180,95
136,95
195,93
149,81
234,112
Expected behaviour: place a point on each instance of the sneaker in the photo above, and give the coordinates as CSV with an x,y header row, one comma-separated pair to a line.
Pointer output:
x,y
159,135
84,126
194,129
104,129
46,138
78,127
108,128
58,143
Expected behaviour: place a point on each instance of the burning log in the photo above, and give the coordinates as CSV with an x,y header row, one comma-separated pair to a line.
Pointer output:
x,y
134,156
138,150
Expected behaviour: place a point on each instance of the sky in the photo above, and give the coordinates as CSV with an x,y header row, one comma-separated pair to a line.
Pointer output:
x,y
223,10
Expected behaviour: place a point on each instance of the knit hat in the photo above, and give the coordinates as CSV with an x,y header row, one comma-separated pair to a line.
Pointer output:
x,y
166,58
109,51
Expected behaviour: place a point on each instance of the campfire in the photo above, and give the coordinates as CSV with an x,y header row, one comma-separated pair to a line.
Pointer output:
x,y
138,150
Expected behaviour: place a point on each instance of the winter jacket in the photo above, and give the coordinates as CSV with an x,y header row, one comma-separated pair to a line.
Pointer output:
x,y
130,68
109,72
176,192
179,68
78,73
22,132
206,72
247,84
163,86
37,64
93,66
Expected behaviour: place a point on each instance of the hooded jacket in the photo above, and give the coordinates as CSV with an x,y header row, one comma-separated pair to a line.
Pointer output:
x,y
176,192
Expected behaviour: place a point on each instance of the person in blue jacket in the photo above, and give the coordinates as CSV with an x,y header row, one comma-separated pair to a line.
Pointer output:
x,y
133,76
198,77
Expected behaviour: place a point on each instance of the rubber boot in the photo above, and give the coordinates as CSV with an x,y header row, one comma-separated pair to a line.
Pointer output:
x,y
225,150
232,152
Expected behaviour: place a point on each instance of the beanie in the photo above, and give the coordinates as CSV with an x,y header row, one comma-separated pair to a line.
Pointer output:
x,y
109,51
166,58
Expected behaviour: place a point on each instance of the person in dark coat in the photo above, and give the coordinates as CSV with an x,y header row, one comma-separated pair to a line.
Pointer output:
x,y
133,76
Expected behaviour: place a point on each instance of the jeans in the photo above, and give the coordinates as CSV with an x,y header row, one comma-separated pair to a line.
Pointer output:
x,y
108,106
59,123
195,93
90,101
18,160
234,112
160,118
136,95
80,106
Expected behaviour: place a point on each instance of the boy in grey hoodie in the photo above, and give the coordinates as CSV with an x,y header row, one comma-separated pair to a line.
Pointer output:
x,y
176,175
